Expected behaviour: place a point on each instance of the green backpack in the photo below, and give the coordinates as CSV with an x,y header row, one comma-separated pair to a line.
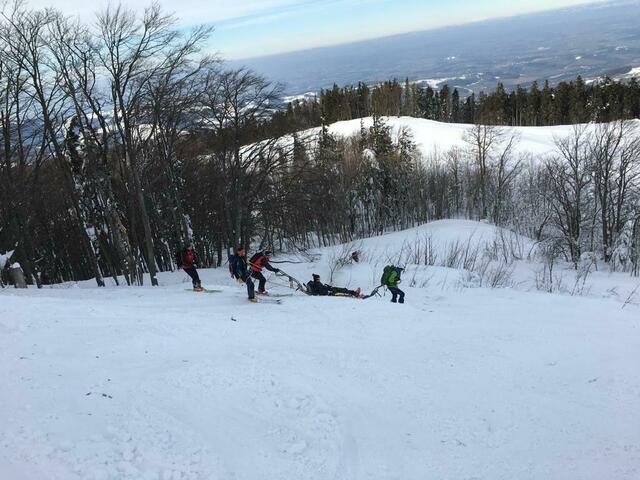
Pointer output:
x,y
387,273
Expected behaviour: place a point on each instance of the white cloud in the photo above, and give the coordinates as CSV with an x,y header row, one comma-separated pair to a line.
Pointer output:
x,y
189,11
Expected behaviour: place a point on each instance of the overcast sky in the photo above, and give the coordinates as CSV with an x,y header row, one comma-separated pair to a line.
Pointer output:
x,y
249,28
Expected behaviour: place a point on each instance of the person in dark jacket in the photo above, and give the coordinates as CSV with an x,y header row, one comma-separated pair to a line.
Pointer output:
x,y
317,288
240,270
258,262
188,261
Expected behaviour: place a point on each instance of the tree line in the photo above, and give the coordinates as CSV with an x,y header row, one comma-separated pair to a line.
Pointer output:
x,y
122,141
119,139
566,103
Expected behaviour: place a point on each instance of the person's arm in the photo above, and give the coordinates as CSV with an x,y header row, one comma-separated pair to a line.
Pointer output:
x,y
244,268
267,265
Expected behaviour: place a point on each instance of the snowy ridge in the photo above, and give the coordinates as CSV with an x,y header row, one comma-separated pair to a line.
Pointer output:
x,y
438,137
161,383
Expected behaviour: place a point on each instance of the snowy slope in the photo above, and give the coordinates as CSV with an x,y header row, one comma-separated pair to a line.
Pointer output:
x,y
144,383
470,242
436,137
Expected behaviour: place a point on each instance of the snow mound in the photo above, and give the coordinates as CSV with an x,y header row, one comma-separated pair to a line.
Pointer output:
x,y
451,253
441,235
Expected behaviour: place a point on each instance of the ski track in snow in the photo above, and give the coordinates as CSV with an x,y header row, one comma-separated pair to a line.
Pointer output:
x,y
144,383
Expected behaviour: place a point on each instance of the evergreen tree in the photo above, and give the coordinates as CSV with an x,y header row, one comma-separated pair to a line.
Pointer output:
x,y
445,104
577,109
534,105
546,105
455,106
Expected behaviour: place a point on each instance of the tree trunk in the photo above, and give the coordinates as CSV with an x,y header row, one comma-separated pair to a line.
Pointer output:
x,y
146,225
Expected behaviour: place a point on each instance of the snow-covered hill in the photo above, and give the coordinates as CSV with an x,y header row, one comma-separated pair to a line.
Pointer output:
x,y
437,137
163,383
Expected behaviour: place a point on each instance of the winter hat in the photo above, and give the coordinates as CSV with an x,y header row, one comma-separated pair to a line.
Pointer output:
x,y
316,276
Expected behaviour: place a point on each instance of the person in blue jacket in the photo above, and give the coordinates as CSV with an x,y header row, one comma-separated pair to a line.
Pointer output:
x,y
239,270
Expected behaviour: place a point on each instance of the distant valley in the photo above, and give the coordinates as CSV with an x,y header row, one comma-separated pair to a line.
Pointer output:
x,y
592,41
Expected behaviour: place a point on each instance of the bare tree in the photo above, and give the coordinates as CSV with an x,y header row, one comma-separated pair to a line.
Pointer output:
x,y
25,35
506,170
570,177
135,53
21,155
491,149
234,103
615,157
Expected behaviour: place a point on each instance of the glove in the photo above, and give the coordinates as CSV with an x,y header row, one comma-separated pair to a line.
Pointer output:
x,y
239,280
277,270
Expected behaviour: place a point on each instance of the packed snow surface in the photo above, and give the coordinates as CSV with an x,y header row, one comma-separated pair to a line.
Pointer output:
x,y
458,383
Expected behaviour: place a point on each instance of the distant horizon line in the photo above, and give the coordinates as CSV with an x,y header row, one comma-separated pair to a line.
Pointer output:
x,y
587,3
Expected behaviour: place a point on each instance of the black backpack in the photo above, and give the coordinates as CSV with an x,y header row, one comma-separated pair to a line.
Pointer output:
x,y
254,259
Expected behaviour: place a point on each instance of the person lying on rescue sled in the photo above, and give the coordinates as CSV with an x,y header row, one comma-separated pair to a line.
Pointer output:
x,y
317,288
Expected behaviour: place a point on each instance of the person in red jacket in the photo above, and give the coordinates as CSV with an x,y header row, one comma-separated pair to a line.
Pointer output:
x,y
188,260
258,262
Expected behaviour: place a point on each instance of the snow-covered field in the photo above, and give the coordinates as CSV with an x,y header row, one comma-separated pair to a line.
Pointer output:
x,y
458,383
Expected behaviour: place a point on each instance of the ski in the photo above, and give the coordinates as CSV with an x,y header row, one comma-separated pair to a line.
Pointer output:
x,y
204,290
278,295
272,301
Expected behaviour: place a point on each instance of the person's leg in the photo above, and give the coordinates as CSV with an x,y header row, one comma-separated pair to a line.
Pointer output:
x,y
250,288
343,291
262,281
196,279
401,293
194,276
394,293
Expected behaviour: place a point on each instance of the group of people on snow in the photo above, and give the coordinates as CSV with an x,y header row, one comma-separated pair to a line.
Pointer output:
x,y
245,271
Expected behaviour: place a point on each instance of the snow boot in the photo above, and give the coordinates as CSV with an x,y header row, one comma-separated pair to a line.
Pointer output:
x,y
265,293
253,300
358,293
